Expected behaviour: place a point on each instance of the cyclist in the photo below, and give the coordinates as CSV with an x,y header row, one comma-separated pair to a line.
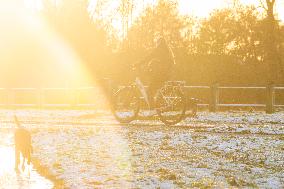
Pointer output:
x,y
160,64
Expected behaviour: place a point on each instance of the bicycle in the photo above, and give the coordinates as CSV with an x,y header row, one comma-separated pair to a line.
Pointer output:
x,y
169,102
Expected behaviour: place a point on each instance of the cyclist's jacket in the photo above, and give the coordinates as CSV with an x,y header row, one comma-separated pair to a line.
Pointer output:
x,y
161,59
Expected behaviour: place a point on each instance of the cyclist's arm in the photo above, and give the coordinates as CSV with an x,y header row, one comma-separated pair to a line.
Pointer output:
x,y
172,55
145,60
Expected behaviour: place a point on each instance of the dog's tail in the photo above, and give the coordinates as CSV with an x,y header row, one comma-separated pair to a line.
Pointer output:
x,y
17,121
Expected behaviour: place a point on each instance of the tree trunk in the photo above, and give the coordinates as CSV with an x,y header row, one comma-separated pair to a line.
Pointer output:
x,y
272,55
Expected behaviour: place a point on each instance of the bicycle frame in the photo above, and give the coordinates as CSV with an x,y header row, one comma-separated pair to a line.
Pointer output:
x,y
142,90
138,83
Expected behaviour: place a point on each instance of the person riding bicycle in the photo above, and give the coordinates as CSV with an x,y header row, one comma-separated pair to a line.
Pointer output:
x,y
160,64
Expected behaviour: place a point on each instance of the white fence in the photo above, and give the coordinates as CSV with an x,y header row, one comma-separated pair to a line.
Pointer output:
x,y
51,97
214,96
93,97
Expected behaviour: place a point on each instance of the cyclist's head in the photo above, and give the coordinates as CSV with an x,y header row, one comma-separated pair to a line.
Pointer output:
x,y
159,40
157,36
18,125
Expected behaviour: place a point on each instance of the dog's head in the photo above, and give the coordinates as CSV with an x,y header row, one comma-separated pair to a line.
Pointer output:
x,y
17,122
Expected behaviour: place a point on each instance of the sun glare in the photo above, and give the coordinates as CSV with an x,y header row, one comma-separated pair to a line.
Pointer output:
x,y
33,4
43,58
40,51
7,160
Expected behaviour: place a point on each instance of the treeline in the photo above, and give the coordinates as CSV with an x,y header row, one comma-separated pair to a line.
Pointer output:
x,y
237,45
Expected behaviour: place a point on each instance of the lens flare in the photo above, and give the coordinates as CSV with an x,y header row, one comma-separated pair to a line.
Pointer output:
x,y
33,55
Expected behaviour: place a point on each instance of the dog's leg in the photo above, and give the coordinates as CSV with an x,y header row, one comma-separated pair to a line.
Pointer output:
x,y
24,162
17,159
29,163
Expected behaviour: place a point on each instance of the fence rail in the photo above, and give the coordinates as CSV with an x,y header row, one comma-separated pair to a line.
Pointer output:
x,y
214,99
71,97
40,97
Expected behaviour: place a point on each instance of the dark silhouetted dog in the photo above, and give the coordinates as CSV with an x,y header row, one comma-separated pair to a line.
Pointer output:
x,y
23,145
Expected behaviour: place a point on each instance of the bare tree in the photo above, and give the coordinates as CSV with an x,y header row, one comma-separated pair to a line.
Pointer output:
x,y
126,12
272,55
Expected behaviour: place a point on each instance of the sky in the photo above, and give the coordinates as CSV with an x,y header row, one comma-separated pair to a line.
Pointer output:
x,y
199,8
202,8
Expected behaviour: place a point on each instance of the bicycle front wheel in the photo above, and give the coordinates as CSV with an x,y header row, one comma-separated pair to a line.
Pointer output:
x,y
170,104
126,105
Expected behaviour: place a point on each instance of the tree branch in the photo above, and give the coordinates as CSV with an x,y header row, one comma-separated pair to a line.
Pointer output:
x,y
262,5
273,1
270,3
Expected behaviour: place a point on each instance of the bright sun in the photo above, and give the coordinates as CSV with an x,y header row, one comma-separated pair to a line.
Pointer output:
x,y
40,39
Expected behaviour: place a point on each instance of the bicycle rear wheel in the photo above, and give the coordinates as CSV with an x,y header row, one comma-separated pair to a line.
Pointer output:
x,y
170,104
191,109
126,104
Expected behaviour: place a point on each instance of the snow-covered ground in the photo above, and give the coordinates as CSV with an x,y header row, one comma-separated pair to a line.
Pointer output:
x,y
89,149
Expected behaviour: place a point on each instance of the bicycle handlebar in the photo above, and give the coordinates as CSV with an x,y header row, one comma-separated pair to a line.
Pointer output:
x,y
137,67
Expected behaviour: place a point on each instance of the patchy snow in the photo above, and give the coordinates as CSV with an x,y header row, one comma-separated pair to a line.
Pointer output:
x,y
239,122
91,150
241,117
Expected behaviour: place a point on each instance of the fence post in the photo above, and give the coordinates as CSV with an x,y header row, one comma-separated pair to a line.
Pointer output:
x,y
11,98
43,97
70,93
214,98
270,99
39,98
7,98
76,97
107,85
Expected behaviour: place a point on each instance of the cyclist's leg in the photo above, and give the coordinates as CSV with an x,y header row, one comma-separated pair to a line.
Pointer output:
x,y
151,93
154,86
157,76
